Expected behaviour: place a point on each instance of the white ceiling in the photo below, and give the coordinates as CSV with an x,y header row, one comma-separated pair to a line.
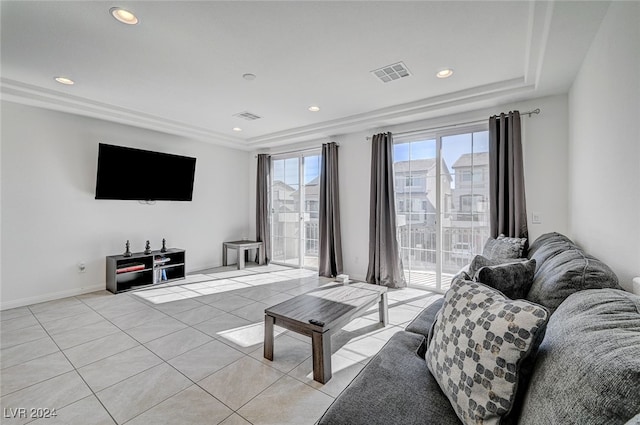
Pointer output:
x,y
180,69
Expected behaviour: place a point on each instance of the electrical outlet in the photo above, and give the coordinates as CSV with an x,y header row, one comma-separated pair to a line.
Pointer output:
x,y
82,267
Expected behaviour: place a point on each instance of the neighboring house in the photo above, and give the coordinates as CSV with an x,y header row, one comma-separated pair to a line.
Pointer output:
x,y
310,212
416,199
415,186
311,199
464,204
470,195
284,218
287,211
469,225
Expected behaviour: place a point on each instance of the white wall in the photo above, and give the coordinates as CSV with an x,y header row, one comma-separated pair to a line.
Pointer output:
x,y
604,146
545,153
51,221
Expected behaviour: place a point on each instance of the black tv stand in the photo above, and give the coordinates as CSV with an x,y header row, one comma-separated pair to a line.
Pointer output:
x,y
141,270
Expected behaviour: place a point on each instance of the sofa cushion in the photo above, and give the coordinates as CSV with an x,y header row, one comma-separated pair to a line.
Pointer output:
x,y
562,269
394,388
504,247
549,244
482,345
588,365
422,323
512,279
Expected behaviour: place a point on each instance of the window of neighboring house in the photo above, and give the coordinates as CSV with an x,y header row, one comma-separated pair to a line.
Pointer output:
x,y
447,202
408,181
472,206
469,203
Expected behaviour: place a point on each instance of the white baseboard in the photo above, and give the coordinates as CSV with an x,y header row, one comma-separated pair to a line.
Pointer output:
x,y
51,296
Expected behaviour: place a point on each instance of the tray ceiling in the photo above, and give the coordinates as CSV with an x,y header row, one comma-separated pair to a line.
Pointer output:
x,y
180,69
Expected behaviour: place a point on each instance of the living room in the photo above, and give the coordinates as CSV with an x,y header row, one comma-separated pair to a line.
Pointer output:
x,y
581,154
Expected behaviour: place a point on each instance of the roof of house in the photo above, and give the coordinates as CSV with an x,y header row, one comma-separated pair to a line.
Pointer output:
x,y
468,159
283,185
419,165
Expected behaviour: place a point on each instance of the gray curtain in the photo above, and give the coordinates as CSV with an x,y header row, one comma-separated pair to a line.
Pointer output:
x,y
385,264
330,255
506,177
263,232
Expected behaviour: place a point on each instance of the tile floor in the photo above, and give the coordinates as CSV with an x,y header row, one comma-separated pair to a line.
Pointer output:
x,y
185,353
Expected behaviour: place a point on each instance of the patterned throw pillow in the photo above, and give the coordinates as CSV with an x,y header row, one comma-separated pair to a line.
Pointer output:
x,y
519,242
504,247
512,279
482,346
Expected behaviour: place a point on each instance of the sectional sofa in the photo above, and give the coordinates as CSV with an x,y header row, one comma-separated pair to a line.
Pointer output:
x,y
585,368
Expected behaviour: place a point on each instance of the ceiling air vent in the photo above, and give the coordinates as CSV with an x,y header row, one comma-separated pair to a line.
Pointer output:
x,y
391,72
247,116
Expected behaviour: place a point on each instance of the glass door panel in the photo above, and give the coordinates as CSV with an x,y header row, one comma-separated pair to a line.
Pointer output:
x,y
442,187
311,202
285,211
294,210
415,186
465,227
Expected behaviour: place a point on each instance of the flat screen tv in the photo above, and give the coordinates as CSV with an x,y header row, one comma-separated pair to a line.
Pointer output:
x,y
136,174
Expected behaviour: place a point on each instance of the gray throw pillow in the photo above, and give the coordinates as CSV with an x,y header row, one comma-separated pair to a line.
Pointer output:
x,y
482,345
519,242
479,262
512,279
504,247
588,365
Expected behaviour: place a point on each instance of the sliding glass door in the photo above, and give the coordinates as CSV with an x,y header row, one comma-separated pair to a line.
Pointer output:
x,y
295,185
442,192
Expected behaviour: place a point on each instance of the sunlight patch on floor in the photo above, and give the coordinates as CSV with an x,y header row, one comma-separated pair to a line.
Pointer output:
x,y
248,335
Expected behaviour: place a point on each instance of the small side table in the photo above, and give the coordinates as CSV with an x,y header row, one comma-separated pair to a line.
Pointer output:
x,y
241,248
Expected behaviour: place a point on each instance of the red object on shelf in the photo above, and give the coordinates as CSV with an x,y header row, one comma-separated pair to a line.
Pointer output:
x,y
130,269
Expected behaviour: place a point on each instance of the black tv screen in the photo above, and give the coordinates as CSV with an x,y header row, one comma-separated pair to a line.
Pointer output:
x,y
136,174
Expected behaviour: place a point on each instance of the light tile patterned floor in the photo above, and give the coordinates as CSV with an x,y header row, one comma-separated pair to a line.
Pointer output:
x,y
189,352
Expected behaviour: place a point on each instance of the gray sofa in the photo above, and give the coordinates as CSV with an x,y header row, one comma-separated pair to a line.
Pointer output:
x,y
587,368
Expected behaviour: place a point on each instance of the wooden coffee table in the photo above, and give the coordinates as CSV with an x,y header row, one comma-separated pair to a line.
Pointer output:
x,y
319,314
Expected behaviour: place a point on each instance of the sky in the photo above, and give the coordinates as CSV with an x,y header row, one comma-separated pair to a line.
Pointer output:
x,y
287,170
452,147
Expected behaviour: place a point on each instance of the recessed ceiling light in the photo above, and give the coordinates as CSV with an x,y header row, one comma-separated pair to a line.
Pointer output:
x,y
65,80
123,16
444,73
249,77
314,108
237,129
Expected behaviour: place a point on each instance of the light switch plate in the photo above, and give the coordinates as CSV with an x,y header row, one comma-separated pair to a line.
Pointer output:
x,y
536,218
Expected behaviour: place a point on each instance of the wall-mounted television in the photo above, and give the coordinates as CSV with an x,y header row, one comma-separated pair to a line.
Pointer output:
x,y
136,174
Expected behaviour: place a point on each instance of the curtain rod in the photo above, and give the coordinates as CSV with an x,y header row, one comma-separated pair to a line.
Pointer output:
x,y
528,113
294,151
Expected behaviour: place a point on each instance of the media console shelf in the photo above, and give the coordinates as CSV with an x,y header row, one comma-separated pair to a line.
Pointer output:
x,y
139,270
